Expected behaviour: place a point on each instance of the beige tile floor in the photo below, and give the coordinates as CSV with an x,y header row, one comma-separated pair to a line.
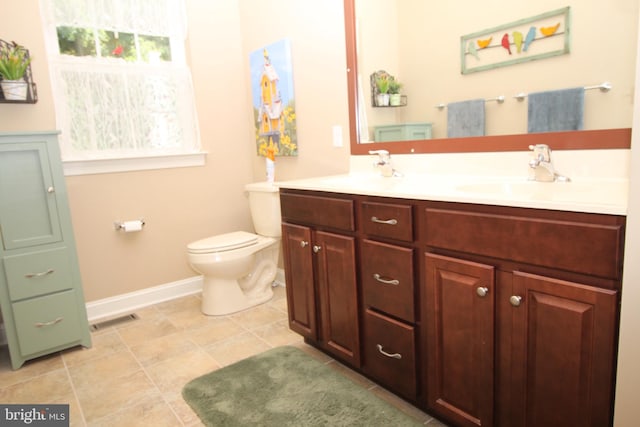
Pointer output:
x,y
135,370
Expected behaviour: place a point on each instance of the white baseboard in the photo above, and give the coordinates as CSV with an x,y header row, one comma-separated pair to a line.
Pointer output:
x,y
119,305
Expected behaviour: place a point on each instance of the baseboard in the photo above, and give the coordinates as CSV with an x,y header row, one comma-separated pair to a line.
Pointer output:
x,y
124,304
128,303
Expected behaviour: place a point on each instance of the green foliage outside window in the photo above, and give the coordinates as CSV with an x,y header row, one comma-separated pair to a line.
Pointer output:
x,y
77,41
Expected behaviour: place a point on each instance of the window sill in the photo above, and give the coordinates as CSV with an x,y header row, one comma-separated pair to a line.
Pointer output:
x,y
98,166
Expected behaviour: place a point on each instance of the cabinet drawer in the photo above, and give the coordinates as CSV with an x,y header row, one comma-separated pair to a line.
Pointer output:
x,y
388,220
387,279
567,242
38,273
389,352
318,210
47,322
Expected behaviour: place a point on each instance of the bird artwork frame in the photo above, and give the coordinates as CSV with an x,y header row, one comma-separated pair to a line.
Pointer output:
x,y
538,37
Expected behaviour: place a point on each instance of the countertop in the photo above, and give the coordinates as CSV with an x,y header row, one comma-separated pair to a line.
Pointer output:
x,y
601,196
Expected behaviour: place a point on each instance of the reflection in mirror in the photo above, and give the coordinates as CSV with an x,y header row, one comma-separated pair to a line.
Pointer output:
x,y
419,43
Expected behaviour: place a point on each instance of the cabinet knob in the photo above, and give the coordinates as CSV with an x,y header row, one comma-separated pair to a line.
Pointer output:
x,y
304,244
316,248
482,291
51,190
515,300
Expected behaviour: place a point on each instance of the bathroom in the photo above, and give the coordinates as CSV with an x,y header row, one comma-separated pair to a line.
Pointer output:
x,y
181,205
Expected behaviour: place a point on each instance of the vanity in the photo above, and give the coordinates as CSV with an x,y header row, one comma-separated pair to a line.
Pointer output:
x,y
482,300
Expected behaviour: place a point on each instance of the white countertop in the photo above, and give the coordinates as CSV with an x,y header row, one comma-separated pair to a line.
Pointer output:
x,y
604,196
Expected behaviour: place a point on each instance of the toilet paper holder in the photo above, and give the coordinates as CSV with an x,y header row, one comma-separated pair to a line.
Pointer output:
x,y
128,226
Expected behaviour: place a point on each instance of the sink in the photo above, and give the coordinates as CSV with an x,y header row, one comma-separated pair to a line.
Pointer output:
x,y
585,191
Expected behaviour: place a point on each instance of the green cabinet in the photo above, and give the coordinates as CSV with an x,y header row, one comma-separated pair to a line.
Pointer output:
x,y
41,297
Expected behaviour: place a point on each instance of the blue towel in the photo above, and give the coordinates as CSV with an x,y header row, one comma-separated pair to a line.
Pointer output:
x,y
556,110
465,118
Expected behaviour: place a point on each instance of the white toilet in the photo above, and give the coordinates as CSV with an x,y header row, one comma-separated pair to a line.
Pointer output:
x,y
239,267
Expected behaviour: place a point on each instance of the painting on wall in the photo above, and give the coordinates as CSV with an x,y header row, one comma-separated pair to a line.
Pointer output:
x,y
538,37
273,100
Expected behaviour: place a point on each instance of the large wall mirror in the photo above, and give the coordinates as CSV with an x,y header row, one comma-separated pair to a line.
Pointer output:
x,y
419,43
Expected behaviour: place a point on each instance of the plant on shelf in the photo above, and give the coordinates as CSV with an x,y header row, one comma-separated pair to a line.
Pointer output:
x,y
394,92
382,83
14,62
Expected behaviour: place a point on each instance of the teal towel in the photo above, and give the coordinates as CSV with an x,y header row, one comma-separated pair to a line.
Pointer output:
x,y
465,118
556,110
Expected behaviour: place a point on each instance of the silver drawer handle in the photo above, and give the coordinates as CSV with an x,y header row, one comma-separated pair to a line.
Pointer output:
x,y
385,281
53,322
44,273
384,221
393,356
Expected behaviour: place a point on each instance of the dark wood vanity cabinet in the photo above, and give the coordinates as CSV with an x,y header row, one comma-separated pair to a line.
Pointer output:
x,y
480,315
320,272
521,315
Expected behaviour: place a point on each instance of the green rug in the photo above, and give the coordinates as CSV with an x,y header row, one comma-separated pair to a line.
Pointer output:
x,y
285,386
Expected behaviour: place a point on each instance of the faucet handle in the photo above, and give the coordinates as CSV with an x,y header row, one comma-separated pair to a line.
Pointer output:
x,y
383,156
542,152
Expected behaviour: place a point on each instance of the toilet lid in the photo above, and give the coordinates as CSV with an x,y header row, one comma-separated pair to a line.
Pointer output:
x,y
223,242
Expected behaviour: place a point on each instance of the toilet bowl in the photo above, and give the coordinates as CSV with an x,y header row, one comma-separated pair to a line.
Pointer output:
x,y
239,267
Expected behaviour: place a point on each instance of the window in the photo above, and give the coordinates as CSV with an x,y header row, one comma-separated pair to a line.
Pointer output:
x,y
121,85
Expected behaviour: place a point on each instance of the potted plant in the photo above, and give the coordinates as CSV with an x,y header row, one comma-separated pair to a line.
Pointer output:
x,y
382,83
14,61
394,92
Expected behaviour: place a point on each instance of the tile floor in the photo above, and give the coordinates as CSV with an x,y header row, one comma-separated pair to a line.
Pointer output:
x,y
135,371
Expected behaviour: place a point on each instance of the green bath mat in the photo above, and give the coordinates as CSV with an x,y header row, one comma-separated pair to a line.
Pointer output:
x,y
285,386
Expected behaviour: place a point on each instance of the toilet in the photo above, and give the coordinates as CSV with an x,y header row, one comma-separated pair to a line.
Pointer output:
x,y
238,268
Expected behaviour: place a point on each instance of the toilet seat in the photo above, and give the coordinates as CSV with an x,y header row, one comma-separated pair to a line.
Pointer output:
x,y
223,242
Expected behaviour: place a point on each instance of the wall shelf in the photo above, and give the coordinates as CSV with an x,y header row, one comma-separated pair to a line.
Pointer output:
x,y
32,93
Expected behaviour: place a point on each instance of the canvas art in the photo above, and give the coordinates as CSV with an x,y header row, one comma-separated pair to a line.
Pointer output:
x,y
273,100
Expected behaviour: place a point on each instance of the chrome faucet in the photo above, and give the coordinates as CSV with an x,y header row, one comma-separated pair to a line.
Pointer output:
x,y
541,165
384,163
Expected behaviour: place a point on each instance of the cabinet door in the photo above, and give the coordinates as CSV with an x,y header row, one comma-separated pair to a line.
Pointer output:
x,y
459,303
28,211
298,268
337,289
563,350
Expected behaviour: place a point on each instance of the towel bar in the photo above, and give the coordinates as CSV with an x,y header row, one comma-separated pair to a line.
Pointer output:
x,y
604,87
499,99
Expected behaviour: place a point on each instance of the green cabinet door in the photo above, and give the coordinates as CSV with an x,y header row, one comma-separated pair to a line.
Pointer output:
x,y
28,210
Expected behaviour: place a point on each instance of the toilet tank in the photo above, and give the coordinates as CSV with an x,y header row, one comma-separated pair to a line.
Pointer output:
x,y
264,203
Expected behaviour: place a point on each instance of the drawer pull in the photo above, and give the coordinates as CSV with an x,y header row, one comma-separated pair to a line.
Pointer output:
x,y
384,221
393,356
50,323
44,273
304,244
482,291
316,248
385,281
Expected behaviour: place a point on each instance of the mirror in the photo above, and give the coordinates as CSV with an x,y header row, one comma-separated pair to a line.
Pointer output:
x,y
418,43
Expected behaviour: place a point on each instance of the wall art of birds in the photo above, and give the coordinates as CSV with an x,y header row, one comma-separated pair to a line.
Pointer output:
x,y
505,42
517,40
530,37
471,48
549,31
484,43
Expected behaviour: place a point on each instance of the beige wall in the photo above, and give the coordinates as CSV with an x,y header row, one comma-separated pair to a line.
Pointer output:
x,y
316,32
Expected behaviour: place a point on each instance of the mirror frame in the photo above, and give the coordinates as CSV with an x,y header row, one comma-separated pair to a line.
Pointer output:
x,y
570,140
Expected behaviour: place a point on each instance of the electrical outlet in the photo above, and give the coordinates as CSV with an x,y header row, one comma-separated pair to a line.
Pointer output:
x,y
337,136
